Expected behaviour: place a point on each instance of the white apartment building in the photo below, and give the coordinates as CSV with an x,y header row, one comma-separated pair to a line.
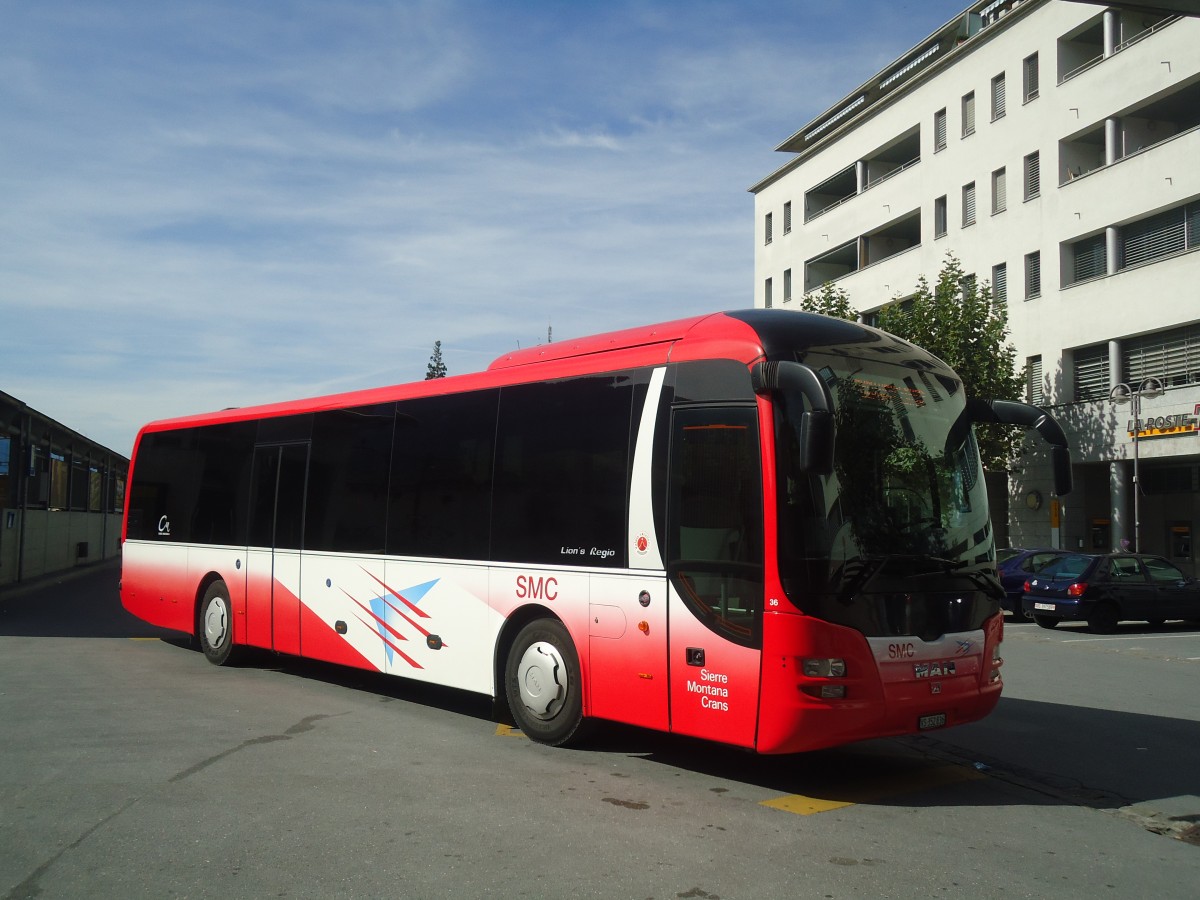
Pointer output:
x,y
1053,147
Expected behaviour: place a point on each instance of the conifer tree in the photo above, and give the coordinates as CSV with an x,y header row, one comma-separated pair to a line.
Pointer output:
x,y
436,368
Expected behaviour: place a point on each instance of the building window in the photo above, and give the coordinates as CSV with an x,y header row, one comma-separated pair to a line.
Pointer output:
x,y
968,204
1089,259
767,293
787,217
1029,72
1033,175
1171,356
1165,234
999,192
968,114
999,283
1091,373
1034,391
787,285
1033,275
767,227
939,217
998,97
939,130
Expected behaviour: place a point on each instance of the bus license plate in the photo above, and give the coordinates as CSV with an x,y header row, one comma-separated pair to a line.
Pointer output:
x,y
926,722
1049,606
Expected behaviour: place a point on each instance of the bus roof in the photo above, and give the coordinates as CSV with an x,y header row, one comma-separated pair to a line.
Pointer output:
x,y
743,335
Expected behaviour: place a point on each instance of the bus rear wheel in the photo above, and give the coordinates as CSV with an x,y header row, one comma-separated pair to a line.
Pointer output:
x,y
543,684
215,625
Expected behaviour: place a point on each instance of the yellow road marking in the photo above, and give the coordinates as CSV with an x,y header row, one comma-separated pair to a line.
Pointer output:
x,y
503,730
873,789
804,806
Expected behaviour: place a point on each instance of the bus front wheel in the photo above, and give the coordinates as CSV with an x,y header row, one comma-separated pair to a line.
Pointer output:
x,y
216,624
543,683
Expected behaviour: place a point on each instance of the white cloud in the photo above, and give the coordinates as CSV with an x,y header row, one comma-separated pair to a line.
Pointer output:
x,y
214,204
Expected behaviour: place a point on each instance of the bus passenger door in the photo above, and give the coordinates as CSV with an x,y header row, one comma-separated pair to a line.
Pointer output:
x,y
276,536
627,637
715,571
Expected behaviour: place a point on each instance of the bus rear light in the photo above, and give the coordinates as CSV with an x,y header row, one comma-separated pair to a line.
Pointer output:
x,y
825,691
823,668
1077,589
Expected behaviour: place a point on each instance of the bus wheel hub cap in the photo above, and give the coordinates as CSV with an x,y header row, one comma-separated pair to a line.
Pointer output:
x,y
215,623
541,680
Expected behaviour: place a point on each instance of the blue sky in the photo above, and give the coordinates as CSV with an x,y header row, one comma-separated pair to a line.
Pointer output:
x,y
212,204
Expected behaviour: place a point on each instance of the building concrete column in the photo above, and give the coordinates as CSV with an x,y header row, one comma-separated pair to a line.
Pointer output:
x,y
1114,364
860,175
1118,493
1112,247
1112,26
1112,140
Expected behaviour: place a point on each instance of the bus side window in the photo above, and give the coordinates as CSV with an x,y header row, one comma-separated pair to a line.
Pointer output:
x,y
715,519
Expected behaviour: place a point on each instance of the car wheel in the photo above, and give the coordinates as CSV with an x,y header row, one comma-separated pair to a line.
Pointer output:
x,y
1103,619
1045,621
543,683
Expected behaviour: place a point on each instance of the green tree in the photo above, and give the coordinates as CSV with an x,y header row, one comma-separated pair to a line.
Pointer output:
x,y
436,368
957,321
829,300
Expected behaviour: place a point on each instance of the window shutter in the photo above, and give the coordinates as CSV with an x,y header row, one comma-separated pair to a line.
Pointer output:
x,y
999,192
1033,381
1091,373
1033,176
1173,356
939,130
1031,77
1153,238
787,217
1033,275
968,204
1000,283
998,96
968,114
1091,258
767,227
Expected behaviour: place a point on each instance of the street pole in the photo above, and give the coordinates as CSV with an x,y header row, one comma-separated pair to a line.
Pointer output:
x,y
1123,393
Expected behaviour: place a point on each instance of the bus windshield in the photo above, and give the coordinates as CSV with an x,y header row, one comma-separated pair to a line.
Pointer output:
x,y
903,518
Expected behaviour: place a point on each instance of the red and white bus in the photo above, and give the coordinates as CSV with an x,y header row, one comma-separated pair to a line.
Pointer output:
x,y
765,528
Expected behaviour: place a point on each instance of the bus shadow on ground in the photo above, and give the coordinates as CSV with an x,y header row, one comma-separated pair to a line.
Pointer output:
x,y
1065,755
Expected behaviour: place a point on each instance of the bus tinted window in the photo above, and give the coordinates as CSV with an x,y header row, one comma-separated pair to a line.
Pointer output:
x,y
348,479
441,476
562,471
715,515
191,485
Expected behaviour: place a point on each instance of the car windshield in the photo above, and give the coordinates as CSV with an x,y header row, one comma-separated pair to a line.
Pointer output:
x,y
1008,553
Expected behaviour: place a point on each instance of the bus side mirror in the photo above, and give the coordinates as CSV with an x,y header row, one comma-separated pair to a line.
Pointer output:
x,y
1060,460
1024,415
816,442
814,428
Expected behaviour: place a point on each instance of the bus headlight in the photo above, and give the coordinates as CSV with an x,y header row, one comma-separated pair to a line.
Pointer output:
x,y
823,668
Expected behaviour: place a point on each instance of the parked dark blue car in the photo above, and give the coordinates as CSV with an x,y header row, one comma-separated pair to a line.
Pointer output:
x,y
1014,567
1108,588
